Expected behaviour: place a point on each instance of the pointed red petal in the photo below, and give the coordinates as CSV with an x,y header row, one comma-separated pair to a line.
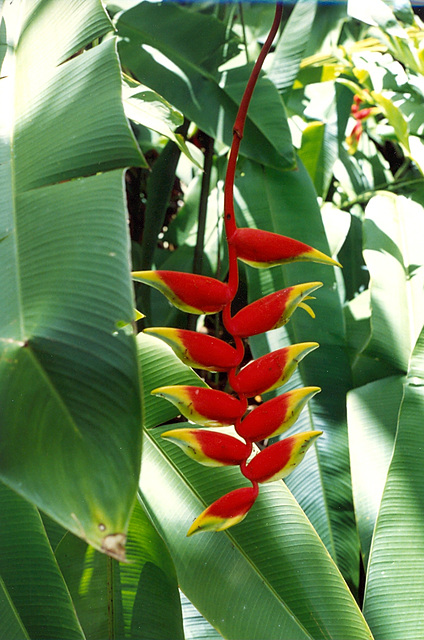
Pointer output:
x,y
278,460
186,291
211,448
276,415
270,312
226,511
270,371
203,406
266,249
197,349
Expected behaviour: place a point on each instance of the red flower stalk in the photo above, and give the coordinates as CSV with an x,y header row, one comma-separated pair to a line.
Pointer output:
x,y
209,408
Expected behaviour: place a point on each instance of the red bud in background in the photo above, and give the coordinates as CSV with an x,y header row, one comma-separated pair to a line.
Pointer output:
x,y
186,291
203,406
276,415
270,371
272,311
278,460
198,350
261,249
226,511
211,448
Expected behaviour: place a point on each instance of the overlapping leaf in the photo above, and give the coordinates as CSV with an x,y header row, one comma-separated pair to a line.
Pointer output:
x,y
394,586
35,599
70,419
139,599
178,53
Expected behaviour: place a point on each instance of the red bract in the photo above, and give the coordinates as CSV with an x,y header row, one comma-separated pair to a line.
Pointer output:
x,y
197,349
270,371
278,460
226,511
273,311
186,291
203,406
276,415
211,448
266,249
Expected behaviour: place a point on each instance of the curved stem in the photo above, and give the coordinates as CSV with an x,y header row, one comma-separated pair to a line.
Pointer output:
x,y
229,213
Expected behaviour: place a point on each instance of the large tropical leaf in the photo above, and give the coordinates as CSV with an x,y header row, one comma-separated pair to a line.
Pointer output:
x,y
394,586
137,600
269,577
69,390
287,204
292,45
31,583
393,229
178,52
11,627
372,412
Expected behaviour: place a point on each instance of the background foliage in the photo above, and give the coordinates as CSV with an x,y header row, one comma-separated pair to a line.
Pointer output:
x,y
337,550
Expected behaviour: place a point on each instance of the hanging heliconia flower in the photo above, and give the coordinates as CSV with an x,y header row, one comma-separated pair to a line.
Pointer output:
x,y
212,408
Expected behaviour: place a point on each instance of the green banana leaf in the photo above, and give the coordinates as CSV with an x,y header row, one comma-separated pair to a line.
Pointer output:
x,y
146,107
11,627
178,53
137,600
393,229
270,576
195,625
287,204
372,413
69,389
394,586
33,586
292,45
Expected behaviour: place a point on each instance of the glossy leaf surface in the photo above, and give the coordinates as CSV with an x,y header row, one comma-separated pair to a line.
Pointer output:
x,y
393,228
397,558
33,585
123,599
165,48
68,371
372,412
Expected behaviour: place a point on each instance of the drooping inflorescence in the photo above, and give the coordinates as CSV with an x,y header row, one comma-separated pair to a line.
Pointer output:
x,y
210,408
